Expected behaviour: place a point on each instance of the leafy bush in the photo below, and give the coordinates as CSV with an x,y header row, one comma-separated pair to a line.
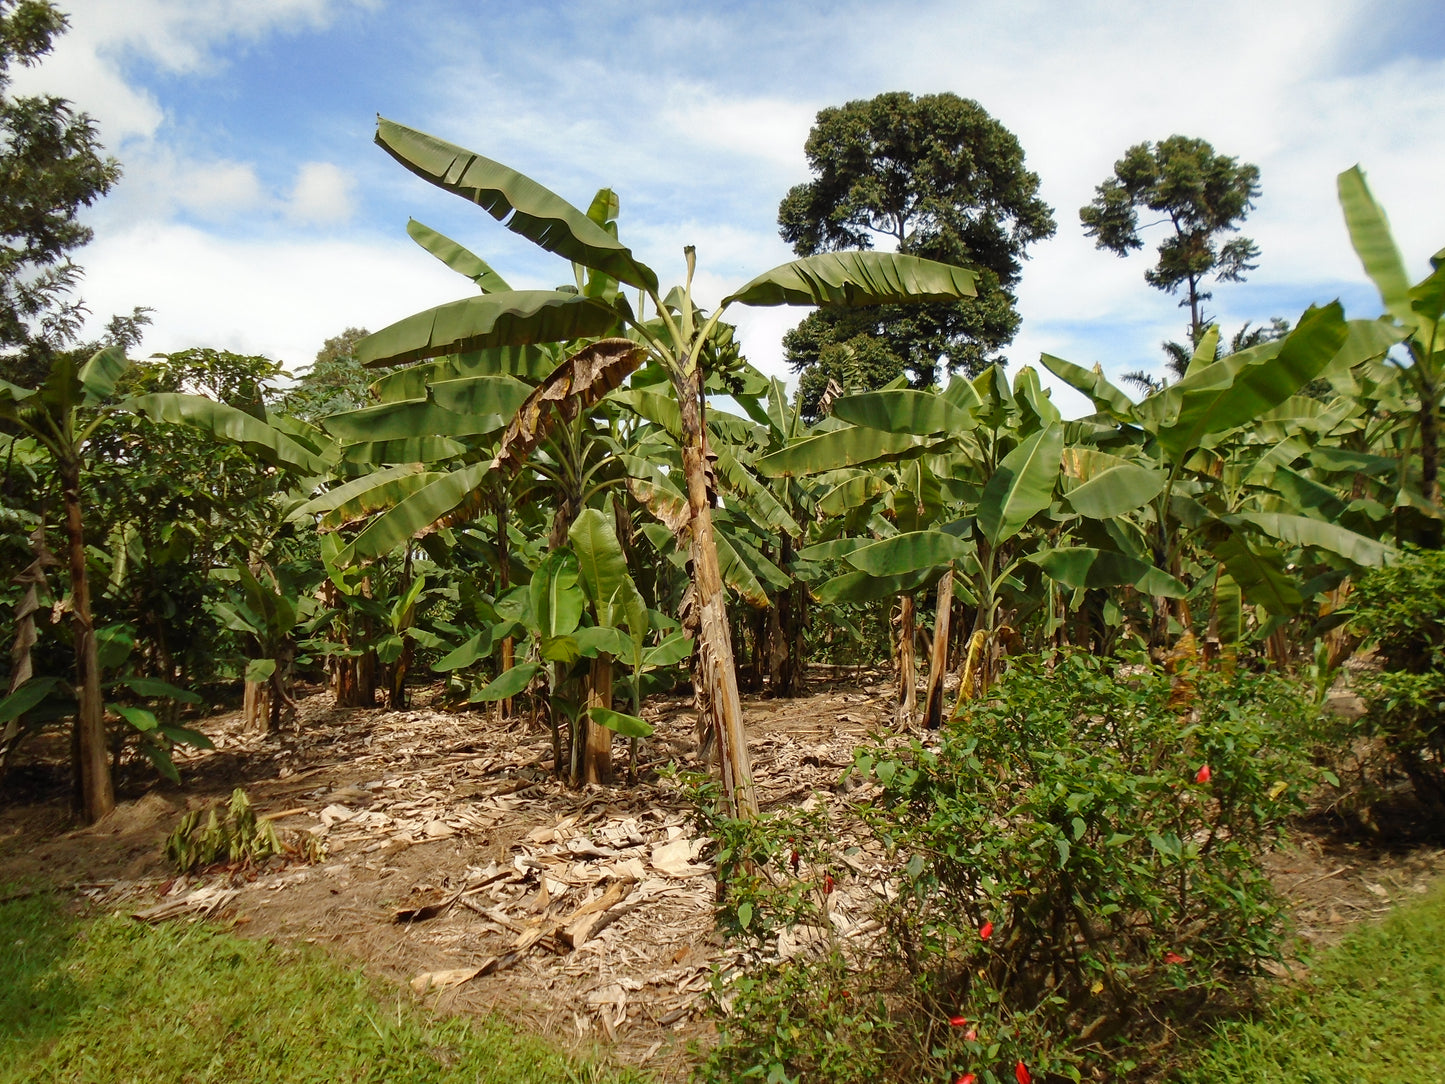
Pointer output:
x,y
1401,610
1080,855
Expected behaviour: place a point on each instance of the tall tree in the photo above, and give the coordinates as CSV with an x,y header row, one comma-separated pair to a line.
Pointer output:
x,y
934,176
52,165
1202,196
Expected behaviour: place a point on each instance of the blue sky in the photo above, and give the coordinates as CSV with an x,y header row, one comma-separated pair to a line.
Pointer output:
x,y
256,215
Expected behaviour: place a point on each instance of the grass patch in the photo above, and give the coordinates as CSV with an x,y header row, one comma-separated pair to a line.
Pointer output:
x,y
105,999
1373,1009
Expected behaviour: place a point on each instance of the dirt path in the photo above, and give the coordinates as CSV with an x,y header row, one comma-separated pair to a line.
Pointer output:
x,y
455,863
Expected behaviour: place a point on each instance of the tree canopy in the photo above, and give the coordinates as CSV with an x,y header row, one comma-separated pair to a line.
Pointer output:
x,y
933,176
53,165
1201,194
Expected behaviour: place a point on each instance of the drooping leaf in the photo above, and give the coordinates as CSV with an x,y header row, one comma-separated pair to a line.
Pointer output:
x,y
99,375
1261,576
867,587
473,650
905,553
259,670
230,424
630,726
530,362
904,410
415,515
837,448
576,385
508,684
1109,485
1320,534
1088,567
516,201
855,279
514,318
353,501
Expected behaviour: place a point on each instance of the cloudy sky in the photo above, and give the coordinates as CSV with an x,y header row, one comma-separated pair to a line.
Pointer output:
x,y
256,215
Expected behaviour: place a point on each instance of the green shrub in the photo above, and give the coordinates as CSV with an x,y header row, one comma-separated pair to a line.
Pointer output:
x,y
204,837
1080,856
1400,609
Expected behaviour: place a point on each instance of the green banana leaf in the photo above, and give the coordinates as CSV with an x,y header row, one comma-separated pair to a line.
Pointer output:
x,y
228,423
1319,534
909,552
460,259
478,323
629,726
99,375
508,684
414,514
1023,485
838,448
867,587
904,411
853,493
1262,578
405,451
1375,245
358,498
856,279
529,361
1237,390
1109,485
1085,567
516,201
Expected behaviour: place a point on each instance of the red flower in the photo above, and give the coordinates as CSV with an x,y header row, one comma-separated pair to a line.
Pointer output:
x,y
794,860
1021,1073
1173,958
985,931
958,1021
827,883
967,1078
1203,774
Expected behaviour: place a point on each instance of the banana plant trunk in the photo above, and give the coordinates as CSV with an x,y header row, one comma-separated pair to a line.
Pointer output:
x,y
94,790
716,674
907,664
597,759
938,657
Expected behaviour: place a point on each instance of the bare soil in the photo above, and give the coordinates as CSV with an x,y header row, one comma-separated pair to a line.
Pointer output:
x,y
454,862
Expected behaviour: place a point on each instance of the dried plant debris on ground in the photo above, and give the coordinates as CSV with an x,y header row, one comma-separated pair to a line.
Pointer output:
x,y
455,863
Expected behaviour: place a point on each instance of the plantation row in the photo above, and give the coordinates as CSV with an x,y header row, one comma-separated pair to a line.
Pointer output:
x,y
566,496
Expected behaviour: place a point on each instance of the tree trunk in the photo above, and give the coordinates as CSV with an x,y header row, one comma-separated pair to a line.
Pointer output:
x,y
256,707
1430,459
504,583
716,675
938,657
792,629
907,667
597,763
94,790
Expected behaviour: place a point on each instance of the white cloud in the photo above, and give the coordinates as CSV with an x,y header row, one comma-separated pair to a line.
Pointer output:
x,y
282,300
322,195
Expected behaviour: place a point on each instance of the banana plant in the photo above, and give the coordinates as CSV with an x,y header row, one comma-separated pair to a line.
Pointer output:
x,y
1413,314
675,337
1165,476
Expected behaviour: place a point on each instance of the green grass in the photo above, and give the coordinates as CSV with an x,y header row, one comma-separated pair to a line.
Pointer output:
x,y
106,999
1372,1010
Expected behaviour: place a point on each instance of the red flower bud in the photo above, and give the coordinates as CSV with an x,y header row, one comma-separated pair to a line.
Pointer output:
x,y
971,1035
967,1078
1173,958
985,931
1203,775
1021,1073
958,1021
794,860
827,883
